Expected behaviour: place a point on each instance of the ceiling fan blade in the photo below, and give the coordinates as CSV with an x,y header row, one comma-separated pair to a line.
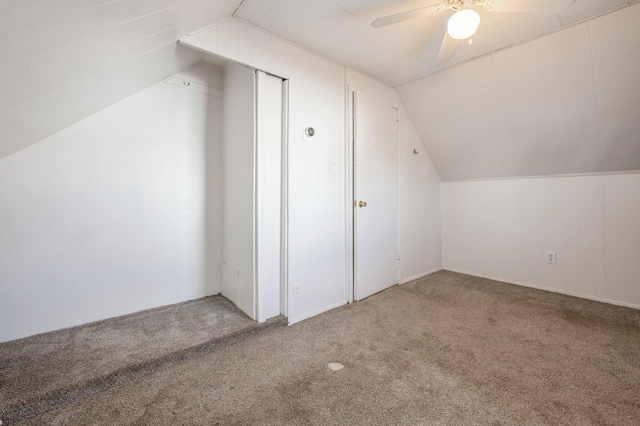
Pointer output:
x,y
447,48
410,14
528,6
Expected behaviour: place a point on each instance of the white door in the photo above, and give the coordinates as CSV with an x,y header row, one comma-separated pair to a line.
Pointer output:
x,y
269,121
376,195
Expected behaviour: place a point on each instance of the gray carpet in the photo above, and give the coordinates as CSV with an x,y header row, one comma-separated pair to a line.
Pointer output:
x,y
45,371
446,349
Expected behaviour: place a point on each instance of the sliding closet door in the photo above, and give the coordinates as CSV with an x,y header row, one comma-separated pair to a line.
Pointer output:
x,y
252,235
269,125
238,164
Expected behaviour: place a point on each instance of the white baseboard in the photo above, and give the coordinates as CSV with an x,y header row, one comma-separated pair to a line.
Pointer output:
x,y
316,312
420,275
550,289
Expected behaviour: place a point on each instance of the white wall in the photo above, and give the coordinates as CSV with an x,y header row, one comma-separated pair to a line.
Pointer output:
x,y
316,193
122,172
502,228
238,187
110,215
420,192
420,227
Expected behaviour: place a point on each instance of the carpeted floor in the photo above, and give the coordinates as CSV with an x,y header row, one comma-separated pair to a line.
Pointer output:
x,y
39,370
446,349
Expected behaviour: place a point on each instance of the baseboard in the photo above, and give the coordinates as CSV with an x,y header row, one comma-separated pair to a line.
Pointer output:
x,y
549,289
316,312
420,275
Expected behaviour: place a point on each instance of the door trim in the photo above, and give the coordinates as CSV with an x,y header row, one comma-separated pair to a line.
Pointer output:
x,y
284,226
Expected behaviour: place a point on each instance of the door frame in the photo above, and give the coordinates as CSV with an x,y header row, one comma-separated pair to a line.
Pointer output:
x,y
350,201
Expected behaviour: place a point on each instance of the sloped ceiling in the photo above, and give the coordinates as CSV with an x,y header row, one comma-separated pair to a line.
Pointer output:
x,y
62,60
341,30
565,103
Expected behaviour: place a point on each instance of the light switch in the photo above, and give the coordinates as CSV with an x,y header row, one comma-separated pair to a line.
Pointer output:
x,y
334,165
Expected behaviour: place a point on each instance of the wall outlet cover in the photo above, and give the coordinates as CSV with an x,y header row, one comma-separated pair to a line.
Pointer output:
x,y
551,257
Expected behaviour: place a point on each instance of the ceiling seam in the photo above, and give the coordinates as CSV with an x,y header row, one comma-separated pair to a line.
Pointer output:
x,y
562,27
555,176
235,12
385,37
92,33
566,102
504,99
60,17
595,93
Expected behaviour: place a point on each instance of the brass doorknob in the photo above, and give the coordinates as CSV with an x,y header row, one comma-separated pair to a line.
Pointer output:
x,y
362,204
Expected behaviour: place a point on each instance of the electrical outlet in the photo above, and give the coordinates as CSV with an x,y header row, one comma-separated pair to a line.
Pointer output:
x,y
551,257
296,291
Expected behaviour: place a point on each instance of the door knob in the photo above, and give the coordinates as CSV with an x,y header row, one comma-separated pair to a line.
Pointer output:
x,y
362,204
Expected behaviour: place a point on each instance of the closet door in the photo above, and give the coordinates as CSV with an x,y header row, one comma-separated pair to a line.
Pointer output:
x,y
269,137
238,194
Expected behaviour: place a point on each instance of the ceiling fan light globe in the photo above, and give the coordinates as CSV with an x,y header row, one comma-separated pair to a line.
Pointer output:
x,y
463,24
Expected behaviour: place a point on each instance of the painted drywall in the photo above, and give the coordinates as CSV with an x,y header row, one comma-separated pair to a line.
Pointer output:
x,y
87,56
503,228
563,104
111,215
420,222
420,195
316,193
25,119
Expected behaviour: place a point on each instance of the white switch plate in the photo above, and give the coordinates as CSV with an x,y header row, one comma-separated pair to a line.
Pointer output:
x,y
334,165
296,291
551,257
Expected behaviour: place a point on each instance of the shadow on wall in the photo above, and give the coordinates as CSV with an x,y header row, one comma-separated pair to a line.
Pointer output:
x,y
112,214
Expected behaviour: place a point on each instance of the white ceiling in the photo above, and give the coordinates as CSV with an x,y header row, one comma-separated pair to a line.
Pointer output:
x,y
398,54
565,103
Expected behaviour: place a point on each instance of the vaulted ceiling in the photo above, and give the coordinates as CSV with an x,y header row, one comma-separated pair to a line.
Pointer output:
x,y
341,30
62,60
563,104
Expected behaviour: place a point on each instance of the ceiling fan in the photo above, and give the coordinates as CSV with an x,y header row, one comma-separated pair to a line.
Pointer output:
x,y
465,21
